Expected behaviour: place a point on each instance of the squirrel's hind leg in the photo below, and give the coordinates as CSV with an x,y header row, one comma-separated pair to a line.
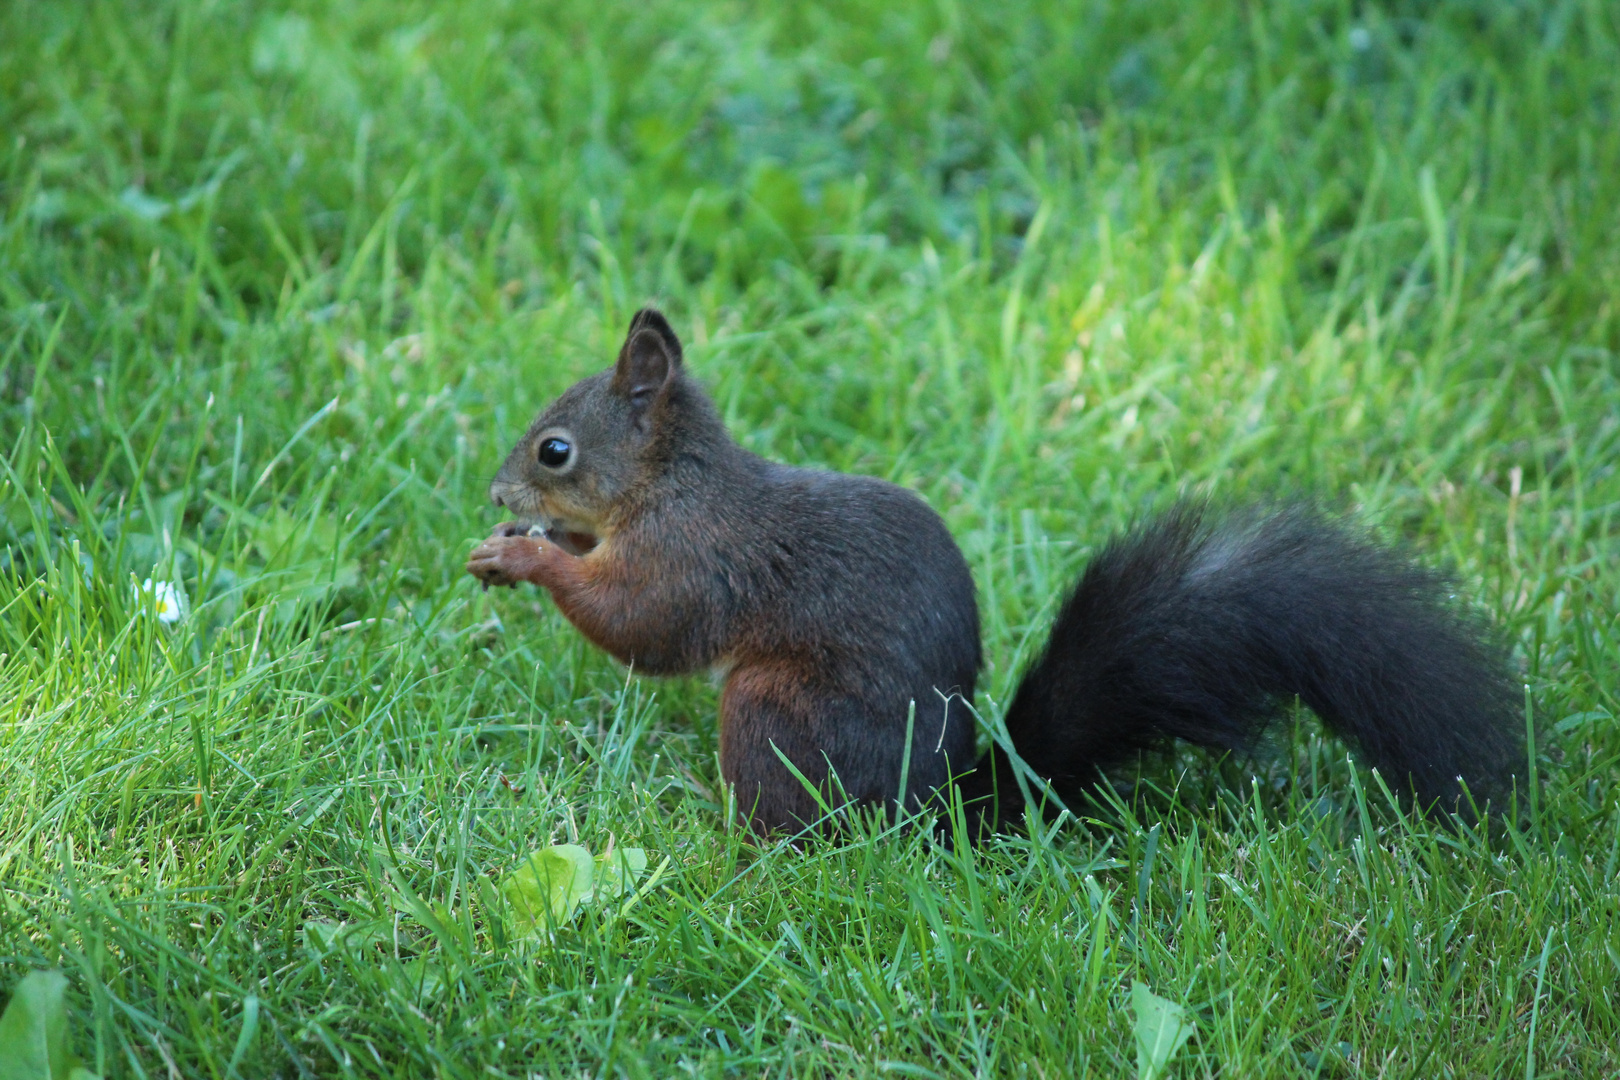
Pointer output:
x,y
771,711
766,709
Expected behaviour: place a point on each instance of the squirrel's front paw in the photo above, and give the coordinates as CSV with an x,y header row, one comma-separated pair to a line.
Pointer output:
x,y
505,560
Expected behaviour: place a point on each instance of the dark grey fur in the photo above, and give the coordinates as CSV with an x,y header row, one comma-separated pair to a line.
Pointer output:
x,y
1203,627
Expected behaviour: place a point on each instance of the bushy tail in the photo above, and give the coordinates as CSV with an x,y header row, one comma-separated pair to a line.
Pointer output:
x,y
1204,626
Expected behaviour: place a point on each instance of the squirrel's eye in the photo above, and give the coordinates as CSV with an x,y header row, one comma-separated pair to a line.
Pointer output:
x,y
555,452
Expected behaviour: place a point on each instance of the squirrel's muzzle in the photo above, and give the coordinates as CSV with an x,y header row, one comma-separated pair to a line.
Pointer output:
x,y
500,491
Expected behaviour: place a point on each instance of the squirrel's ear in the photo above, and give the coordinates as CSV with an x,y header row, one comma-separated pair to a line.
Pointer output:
x,y
651,319
649,360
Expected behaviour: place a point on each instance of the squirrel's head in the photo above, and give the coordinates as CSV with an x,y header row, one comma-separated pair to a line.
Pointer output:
x,y
581,465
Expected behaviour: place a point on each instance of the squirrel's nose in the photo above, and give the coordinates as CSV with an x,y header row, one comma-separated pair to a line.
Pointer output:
x,y
500,488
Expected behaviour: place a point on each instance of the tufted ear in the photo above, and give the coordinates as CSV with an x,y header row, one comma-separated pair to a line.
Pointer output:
x,y
653,319
648,361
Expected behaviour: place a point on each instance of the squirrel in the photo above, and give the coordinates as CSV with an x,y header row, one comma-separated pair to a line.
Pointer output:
x,y
840,615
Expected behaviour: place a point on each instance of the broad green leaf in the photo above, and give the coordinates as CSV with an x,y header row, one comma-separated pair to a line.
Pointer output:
x,y
546,888
617,872
1161,1028
321,937
33,1032
423,976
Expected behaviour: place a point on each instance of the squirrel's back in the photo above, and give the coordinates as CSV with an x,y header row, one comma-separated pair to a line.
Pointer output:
x,y
852,586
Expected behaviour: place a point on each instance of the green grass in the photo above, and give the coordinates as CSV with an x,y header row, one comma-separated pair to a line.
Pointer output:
x,y
280,288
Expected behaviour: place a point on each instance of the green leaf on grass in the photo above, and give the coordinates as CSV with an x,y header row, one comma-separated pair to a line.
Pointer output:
x,y
422,976
547,888
617,871
1161,1028
321,937
33,1032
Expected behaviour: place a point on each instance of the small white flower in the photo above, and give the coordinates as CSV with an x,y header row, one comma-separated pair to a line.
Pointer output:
x,y
168,602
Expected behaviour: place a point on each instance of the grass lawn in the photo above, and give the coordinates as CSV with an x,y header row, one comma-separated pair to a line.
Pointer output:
x,y
278,289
